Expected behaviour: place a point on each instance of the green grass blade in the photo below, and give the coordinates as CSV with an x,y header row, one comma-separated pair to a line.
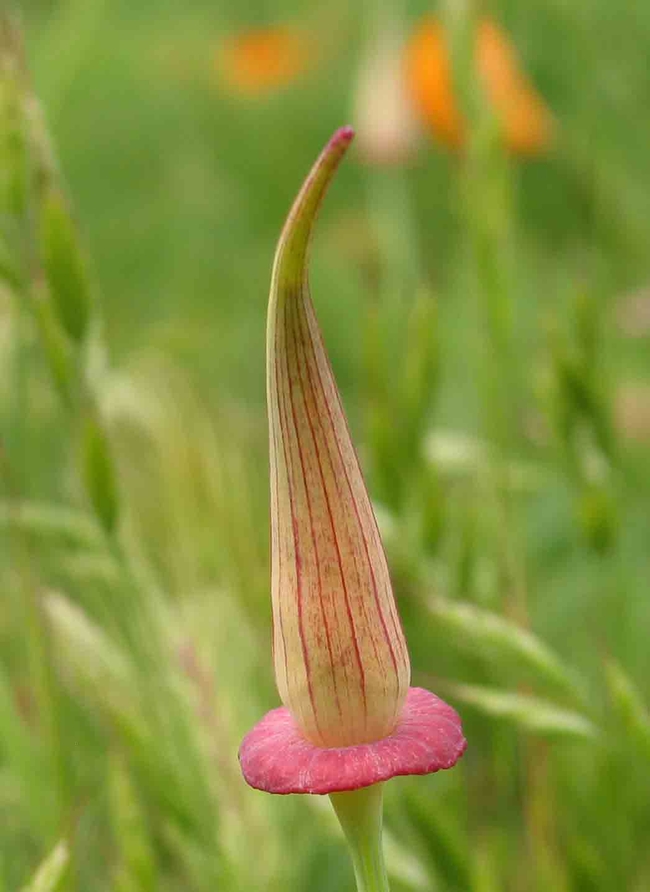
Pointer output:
x,y
528,713
50,874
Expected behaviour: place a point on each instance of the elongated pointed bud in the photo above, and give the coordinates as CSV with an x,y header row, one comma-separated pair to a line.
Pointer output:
x,y
65,266
58,351
341,663
98,470
14,153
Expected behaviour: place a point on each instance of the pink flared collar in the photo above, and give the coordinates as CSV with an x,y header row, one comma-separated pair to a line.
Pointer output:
x,y
275,757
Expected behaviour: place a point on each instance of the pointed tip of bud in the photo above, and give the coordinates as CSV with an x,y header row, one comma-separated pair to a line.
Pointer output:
x,y
343,136
290,260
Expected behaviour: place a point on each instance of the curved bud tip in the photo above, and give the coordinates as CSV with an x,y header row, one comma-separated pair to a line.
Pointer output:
x,y
343,135
341,663
290,257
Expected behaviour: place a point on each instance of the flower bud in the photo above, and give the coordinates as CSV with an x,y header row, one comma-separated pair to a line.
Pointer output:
x,y
341,662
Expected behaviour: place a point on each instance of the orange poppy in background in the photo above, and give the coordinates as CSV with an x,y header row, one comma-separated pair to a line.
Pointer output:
x,y
526,123
261,60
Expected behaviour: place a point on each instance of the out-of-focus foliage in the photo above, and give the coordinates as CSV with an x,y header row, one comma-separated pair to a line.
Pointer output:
x,y
488,318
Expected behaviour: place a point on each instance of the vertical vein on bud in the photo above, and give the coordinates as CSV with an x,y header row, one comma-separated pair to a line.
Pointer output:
x,y
308,499
370,522
313,419
276,532
276,567
314,390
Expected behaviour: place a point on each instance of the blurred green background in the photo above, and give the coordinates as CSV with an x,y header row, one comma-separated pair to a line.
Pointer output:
x,y
488,319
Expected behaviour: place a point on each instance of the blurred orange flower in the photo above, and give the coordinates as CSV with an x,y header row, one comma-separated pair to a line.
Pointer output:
x,y
261,60
525,120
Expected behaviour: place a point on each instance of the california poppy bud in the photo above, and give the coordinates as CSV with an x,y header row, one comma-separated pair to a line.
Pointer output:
x,y
341,662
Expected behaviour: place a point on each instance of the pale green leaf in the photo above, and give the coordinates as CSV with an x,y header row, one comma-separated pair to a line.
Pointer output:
x,y
530,713
50,873
631,710
496,638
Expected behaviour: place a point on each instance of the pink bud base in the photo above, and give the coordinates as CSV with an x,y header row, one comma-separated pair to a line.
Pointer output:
x,y
276,758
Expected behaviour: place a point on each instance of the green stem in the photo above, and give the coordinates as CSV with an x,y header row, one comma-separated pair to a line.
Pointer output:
x,y
360,814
